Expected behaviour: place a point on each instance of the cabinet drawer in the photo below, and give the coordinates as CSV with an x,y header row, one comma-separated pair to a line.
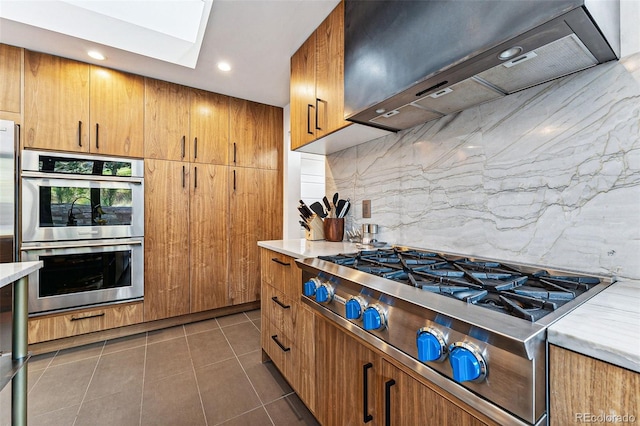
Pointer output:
x,y
278,310
281,272
83,321
278,346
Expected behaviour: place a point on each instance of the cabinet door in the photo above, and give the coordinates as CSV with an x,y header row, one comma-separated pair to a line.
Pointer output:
x,y
209,116
330,73
303,370
342,367
406,401
166,252
208,212
166,120
303,94
56,113
10,70
255,214
256,135
117,113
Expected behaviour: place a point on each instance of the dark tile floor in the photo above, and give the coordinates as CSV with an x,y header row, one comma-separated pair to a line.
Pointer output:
x,y
204,373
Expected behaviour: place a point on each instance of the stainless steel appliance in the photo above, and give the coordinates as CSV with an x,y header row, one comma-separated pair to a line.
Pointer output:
x,y
409,62
474,327
83,216
8,191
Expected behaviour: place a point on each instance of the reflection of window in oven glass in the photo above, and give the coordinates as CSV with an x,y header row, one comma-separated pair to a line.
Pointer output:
x,y
72,206
52,164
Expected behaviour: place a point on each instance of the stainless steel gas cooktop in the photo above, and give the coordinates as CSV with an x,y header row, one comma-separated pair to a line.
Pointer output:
x,y
475,327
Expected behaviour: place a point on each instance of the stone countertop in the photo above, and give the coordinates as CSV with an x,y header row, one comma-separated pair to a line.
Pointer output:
x,y
301,248
10,272
606,327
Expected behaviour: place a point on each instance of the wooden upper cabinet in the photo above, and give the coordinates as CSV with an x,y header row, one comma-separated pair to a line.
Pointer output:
x,y
330,73
317,82
209,118
256,135
73,106
56,111
166,120
302,95
10,70
116,112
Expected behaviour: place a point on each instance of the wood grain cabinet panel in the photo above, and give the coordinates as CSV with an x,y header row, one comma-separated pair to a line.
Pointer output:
x,y
116,112
11,81
56,114
83,321
166,254
317,82
208,210
166,120
256,135
255,214
77,107
209,118
581,386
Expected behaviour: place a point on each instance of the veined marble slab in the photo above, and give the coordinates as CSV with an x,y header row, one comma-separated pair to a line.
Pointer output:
x,y
606,327
547,176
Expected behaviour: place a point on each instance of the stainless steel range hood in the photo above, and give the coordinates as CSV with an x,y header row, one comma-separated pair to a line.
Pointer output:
x,y
409,62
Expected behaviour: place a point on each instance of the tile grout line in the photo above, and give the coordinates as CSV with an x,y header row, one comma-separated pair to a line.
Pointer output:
x,y
104,343
144,370
43,371
195,376
245,373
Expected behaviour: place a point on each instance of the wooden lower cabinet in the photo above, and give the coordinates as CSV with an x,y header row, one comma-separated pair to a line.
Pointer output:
x,y
346,378
406,401
83,321
583,388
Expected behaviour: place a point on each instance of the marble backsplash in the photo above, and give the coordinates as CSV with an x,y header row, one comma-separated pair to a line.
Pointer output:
x,y
549,176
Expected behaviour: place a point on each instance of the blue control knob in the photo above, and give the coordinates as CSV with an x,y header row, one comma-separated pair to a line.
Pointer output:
x,y
372,319
353,309
323,294
467,364
429,347
309,288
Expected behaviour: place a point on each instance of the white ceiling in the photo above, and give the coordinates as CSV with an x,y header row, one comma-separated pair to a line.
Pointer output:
x,y
257,37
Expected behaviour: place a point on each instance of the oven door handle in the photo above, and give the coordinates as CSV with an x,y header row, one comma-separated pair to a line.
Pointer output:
x,y
91,244
58,176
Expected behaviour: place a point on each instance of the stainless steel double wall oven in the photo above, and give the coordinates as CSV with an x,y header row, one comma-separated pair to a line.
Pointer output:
x,y
83,216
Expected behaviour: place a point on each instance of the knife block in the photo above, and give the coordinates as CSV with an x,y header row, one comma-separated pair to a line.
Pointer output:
x,y
316,231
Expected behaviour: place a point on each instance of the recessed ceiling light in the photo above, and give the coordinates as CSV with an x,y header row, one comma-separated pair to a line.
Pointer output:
x,y
96,55
224,66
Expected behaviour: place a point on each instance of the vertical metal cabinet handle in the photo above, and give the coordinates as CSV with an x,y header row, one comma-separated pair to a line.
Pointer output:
x,y
97,134
234,180
365,392
387,401
195,177
309,106
183,176
183,143
317,100
282,305
79,133
234,153
283,347
195,147
275,259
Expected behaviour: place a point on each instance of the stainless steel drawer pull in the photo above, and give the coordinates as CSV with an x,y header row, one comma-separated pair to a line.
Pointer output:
x,y
275,259
282,305
87,317
275,339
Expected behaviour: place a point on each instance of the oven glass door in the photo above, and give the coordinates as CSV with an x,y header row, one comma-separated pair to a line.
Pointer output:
x,y
76,209
82,275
